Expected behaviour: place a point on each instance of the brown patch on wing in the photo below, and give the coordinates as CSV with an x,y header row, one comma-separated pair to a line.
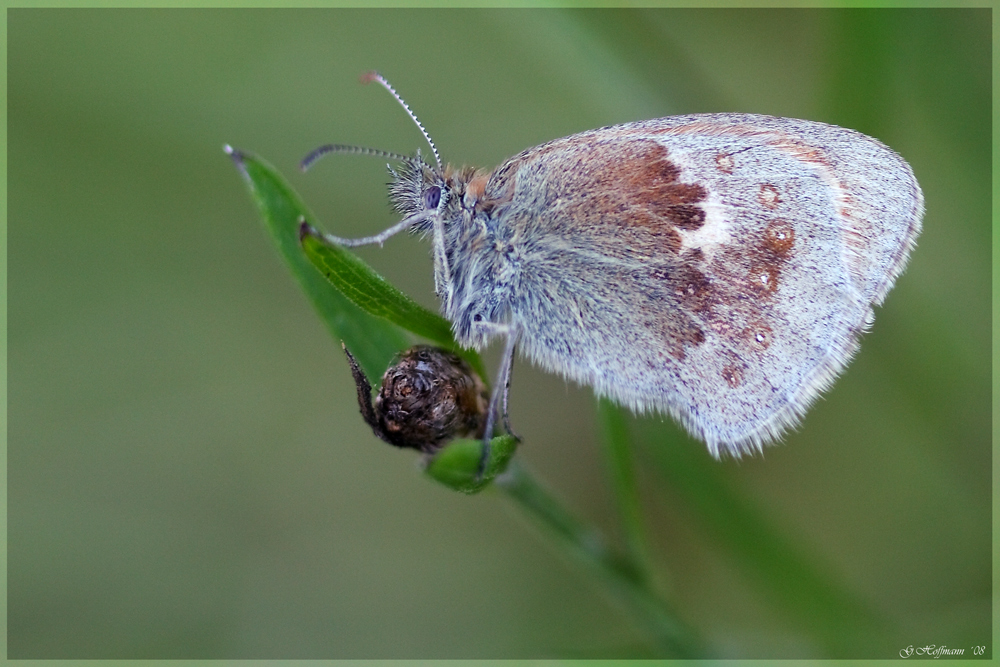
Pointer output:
x,y
768,196
759,335
680,337
763,277
679,332
694,292
692,288
686,217
737,299
769,256
672,240
733,376
631,183
747,280
779,237
752,273
645,178
675,326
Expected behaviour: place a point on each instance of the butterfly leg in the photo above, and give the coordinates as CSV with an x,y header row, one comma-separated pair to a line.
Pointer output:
x,y
498,398
506,395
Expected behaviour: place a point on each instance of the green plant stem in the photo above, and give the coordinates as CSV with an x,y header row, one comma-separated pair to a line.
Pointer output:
x,y
795,582
621,467
619,574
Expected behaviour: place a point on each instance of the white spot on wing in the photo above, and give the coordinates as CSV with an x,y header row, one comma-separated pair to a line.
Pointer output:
x,y
717,229
715,232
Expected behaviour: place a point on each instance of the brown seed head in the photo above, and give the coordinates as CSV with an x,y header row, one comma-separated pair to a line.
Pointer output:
x,y
428,397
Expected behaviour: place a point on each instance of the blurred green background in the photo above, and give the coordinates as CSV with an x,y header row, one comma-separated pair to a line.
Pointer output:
x,y
188,473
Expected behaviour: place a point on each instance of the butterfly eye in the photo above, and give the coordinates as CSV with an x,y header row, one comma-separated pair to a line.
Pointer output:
x,y
432,196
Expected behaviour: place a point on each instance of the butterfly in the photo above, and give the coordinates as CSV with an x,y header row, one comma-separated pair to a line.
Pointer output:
x,y
719,268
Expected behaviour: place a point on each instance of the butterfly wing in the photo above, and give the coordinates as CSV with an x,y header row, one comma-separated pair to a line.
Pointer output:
x,y
719,268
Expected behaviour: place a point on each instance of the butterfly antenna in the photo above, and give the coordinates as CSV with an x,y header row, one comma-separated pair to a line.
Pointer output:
x,y
375,76
308,160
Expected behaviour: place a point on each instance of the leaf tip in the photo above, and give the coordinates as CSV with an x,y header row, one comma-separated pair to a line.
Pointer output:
x,y
235,153
238,157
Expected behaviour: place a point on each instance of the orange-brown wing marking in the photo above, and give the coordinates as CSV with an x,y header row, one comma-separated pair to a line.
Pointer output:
x,y
639,187
618,209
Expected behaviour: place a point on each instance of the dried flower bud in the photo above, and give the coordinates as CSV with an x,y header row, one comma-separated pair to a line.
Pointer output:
x,y
428,397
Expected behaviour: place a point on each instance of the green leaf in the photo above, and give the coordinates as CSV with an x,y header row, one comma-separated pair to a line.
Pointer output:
x,y
348,273
457,465
376,296
372,340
